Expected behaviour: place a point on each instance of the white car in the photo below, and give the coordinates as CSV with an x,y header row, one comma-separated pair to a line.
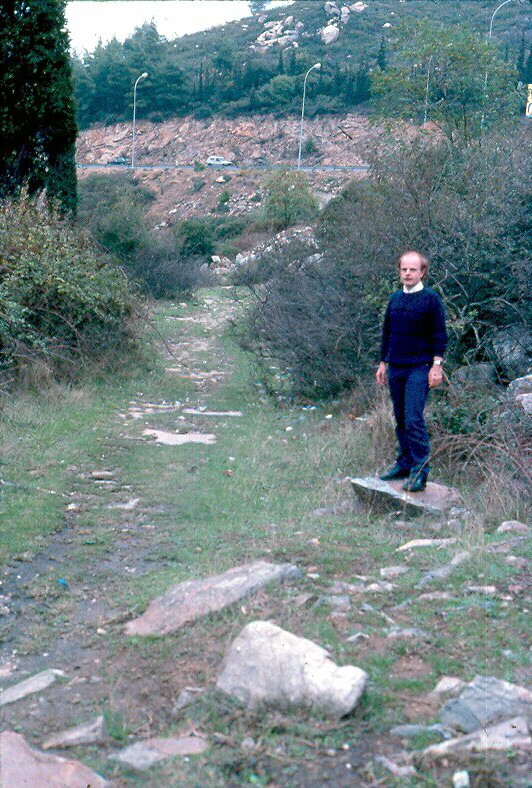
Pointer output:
x,y
218,161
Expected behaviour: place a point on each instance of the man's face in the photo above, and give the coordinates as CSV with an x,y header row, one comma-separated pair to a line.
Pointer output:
x,y
410,271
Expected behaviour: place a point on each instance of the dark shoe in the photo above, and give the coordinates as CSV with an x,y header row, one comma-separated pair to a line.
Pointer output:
x,y
415,484
397,472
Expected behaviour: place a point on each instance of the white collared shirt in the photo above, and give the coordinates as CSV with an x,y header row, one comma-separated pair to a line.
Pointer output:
x,y
414,289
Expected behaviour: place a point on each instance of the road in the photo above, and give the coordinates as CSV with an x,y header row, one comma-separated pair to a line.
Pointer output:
x,y
345,168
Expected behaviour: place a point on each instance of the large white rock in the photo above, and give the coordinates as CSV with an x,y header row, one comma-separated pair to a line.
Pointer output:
x,y
267,666
329,34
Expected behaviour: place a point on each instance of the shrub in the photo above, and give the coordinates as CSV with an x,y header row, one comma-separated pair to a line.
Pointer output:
x,y
195,238
62,305
289,199
198,184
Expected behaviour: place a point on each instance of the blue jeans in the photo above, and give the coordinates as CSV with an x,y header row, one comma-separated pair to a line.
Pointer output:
x,y
409,388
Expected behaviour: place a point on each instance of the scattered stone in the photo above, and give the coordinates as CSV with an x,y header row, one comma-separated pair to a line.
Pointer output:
x,y
508,735
386,496
185,698
195,598
20,765
517,561
357,636
521,385
102,475
443,572
393,571
485,590
411,731
178,439
128,506
513,526
338,601
449,685
426,543
461,780
268,666
435,596
200,412
340,587
486,700
248,744
144,754
90,733
380,587
37,683
329,34
397,771
411,633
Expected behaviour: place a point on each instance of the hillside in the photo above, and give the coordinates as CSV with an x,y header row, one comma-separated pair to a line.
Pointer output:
x,y
257,65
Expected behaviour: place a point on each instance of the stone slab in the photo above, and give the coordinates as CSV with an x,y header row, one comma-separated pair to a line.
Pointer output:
x,y
90,733
195,598
508,735
484,701
144,754
389,496
36,683
23,767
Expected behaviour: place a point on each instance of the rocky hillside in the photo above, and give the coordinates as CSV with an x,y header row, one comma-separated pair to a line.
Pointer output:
x,y
249,142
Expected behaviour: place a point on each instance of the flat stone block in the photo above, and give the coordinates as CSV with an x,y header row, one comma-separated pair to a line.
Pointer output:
x,y
388,496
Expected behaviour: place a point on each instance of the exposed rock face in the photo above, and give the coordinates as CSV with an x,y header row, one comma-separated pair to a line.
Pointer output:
x,y
21,766
195,598
267,666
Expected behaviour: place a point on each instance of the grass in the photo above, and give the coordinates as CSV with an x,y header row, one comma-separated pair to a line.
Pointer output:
x,y
194,519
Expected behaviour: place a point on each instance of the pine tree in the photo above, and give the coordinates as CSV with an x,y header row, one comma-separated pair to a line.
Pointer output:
x,y
381,55
37,117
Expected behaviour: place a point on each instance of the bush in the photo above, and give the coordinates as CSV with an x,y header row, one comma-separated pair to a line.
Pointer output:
x,y
61,304
468,210
195,238
289,199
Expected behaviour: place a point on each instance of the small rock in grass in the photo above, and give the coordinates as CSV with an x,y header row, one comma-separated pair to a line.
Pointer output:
x,y
486,590
397,771
36,683
513,526
248,744
410,633
508,735
144,754
461,780
411,731
338,601
388,572
518,561
449,685
357,636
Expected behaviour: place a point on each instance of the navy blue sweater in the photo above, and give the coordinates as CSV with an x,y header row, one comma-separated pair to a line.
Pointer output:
x,y
414,328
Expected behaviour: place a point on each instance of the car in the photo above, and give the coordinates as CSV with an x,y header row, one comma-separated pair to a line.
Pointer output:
x,y
121,160
218,161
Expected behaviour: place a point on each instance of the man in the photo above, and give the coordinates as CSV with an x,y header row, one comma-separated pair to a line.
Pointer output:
x,y
413,343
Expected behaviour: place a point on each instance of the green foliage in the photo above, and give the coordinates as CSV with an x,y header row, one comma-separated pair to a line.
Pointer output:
x,y
195,238
113,208
289,199
224,197
61,304
470,87
37,115
198,184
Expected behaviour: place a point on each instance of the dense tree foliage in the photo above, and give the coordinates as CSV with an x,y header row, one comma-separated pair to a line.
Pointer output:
x,y
222,70
37,116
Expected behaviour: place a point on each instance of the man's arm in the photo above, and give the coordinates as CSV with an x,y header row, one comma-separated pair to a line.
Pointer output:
x,y
381,369
440,344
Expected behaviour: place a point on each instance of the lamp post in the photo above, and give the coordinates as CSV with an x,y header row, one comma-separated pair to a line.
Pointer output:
x,y
427,91
316,65
142,76
486,75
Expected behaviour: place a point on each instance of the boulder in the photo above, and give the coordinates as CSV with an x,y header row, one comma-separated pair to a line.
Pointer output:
x,y
525,400
329,34
22,766
512,351
513,527
267,666
482,375
195,598
486,700
389,496
521,385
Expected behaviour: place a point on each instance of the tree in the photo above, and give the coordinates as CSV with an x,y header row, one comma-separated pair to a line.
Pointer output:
x,y
470,88
289,199
37,116
257,6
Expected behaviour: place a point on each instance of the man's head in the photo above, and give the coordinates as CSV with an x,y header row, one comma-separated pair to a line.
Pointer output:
x,y
412,268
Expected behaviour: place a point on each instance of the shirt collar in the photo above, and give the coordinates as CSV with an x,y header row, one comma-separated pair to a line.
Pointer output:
x,y
414,289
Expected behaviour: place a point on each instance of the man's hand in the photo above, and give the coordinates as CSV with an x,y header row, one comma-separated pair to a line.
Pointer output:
x,y
381,374
435,375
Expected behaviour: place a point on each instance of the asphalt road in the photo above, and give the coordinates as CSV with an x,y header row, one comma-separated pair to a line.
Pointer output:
x,y
348,168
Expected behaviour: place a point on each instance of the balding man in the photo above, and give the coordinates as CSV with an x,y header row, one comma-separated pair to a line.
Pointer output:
x,y
413,343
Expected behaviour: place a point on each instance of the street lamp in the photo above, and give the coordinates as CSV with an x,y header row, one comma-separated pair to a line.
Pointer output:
x,y
486,75
316,65
142,76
